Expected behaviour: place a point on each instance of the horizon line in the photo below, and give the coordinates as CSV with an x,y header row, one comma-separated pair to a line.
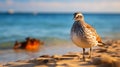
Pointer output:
x,y
60,12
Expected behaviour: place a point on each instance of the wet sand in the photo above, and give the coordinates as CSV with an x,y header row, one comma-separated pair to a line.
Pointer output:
x,y
108,56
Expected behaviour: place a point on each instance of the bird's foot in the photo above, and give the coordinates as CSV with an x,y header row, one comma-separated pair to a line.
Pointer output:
x,y
84,59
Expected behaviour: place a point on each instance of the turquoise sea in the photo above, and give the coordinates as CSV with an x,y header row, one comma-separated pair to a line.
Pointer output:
x,y
52,28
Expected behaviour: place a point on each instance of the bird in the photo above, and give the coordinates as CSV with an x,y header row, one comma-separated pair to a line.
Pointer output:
x,y
84,35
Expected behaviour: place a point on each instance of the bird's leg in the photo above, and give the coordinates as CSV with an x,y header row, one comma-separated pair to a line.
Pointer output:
x,y
90,52
83,54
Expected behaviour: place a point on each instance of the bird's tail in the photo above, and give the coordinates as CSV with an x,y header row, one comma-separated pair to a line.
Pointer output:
x,y
101,44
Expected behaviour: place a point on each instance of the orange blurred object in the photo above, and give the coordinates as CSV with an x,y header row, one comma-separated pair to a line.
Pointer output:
x,y
29,44
32,44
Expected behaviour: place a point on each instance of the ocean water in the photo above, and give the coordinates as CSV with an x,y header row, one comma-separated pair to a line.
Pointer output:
x,y
52,28
52,25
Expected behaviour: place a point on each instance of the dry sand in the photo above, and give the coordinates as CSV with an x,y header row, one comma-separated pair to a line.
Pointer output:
x,y
108,56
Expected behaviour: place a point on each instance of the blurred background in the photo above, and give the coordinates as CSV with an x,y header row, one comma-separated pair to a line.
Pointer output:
x,y
51,21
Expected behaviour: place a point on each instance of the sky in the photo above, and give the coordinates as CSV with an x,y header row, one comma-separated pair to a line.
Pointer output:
x,y
111,6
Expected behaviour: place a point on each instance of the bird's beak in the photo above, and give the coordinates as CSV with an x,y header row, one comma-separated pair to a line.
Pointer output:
x,y
73,17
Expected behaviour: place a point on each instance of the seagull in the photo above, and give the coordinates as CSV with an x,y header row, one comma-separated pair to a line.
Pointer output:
x,y
83,35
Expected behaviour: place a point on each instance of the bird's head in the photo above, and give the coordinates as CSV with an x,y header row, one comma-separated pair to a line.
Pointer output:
x,y
78,16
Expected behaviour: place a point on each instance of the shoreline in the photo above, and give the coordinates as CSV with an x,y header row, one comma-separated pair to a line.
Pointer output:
x,y
108,56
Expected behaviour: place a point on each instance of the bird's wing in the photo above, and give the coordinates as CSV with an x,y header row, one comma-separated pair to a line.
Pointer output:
x,y
94,33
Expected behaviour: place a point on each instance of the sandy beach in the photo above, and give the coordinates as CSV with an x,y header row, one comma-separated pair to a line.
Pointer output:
x,y
108,56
